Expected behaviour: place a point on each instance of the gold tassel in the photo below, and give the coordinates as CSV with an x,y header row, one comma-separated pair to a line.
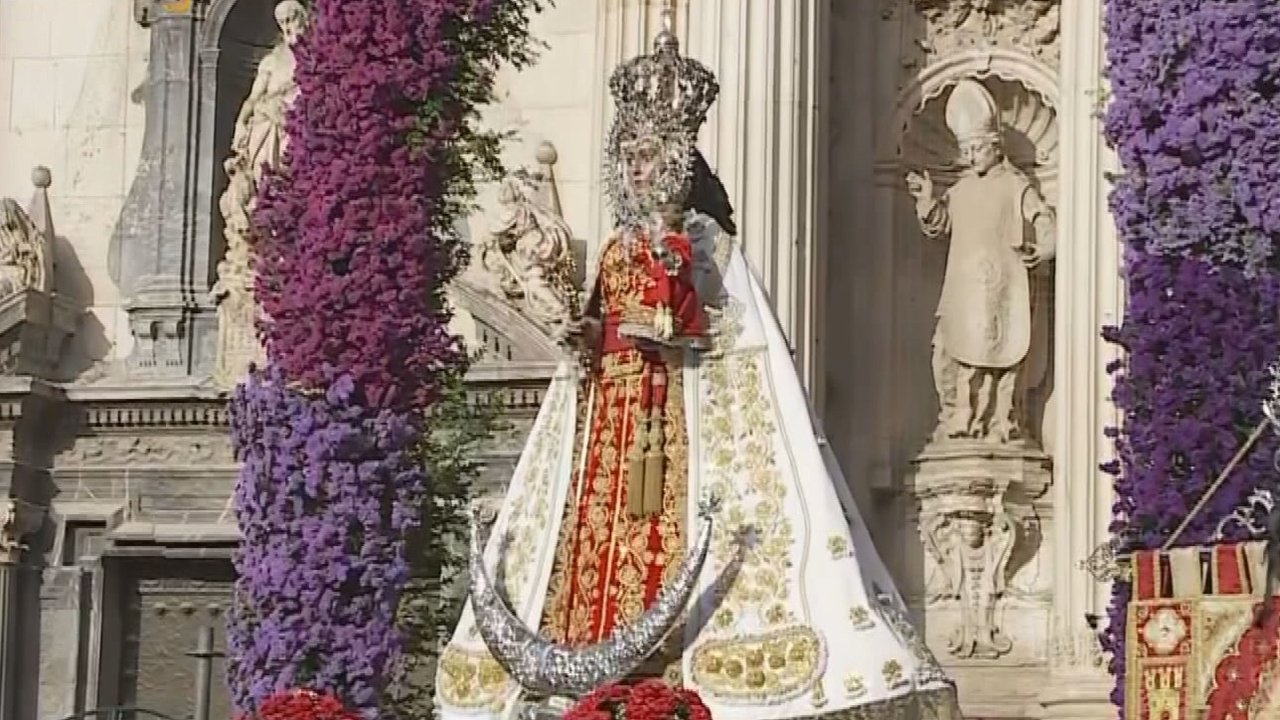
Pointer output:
x,y
635,472
654,465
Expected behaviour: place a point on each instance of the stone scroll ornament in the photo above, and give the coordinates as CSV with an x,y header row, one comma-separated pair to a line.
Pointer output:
x,y
543,667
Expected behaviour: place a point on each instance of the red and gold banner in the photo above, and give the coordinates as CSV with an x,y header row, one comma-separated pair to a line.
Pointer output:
x,y
1195,650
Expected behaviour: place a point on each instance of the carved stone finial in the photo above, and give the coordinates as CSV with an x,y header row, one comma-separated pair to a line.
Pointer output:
x,y
41,177
546,154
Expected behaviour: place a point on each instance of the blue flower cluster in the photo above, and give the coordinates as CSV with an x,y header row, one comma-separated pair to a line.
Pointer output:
x,y
329,489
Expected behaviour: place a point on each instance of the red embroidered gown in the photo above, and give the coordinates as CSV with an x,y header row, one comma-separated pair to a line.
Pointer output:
x,y
623,531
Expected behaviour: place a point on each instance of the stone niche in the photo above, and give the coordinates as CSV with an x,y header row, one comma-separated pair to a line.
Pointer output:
x,y
965,523
238,36
981,504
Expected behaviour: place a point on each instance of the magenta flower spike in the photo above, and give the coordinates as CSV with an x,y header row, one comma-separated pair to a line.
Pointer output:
x,y
354,246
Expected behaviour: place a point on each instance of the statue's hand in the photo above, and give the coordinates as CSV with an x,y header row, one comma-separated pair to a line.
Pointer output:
x,y
1033,257
584,334
240,138
920,185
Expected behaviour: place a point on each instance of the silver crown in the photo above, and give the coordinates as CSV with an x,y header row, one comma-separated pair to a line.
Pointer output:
x,y
665,87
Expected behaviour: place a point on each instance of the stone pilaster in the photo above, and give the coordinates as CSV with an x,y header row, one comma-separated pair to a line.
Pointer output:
x,y
767,137
1089,295
163,258
18,520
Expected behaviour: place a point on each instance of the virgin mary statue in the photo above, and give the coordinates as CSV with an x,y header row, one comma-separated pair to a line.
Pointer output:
x,y
688,391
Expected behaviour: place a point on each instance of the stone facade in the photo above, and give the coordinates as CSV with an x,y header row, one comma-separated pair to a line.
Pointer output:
x,y
115,451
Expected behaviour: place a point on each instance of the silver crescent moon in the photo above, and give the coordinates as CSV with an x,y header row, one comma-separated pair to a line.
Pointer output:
x,y
544,667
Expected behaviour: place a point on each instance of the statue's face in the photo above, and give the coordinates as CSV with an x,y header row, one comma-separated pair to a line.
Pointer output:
x,y
292,18
643,160
981,155
647,169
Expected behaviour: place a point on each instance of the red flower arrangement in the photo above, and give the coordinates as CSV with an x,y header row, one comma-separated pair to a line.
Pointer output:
x,y
646,700
302,705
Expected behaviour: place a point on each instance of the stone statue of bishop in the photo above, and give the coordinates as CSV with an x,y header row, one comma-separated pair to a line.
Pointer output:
x,y
1001,230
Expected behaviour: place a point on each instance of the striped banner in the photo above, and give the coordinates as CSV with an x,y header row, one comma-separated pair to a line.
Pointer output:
x,y
1194,650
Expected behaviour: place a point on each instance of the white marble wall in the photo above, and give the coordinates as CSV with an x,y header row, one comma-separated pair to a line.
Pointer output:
x,y
68,72
551,102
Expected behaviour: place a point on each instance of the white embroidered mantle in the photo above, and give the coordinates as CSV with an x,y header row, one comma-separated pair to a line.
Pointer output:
x,y
811,623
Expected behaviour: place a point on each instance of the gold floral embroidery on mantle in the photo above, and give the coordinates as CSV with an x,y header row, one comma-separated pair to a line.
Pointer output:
x,y
472,678
769,669
738,433
784,658
854,686
838,546
860,618
894,675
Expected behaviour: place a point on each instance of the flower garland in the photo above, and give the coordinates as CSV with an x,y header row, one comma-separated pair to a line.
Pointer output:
x,y
1193,117
354,247
647,700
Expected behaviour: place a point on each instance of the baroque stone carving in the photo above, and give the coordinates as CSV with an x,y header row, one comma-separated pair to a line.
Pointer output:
x,y
11,545
528,253
970,529
24,252
973,551
35,322
984,330
257,144
18,519
159,449
1076,646
954,26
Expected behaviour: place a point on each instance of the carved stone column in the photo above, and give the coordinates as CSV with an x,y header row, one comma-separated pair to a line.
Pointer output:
x,y
163,261
767,137
1090,295
17,520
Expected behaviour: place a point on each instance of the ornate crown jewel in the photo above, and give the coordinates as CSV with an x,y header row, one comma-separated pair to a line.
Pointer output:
x,y
664,87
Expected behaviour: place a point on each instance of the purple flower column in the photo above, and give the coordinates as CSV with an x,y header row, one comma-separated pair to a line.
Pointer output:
x,y
328,489
351,265
1195,120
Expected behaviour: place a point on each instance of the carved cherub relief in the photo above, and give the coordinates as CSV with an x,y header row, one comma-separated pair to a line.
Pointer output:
x,y
528,254
957,25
